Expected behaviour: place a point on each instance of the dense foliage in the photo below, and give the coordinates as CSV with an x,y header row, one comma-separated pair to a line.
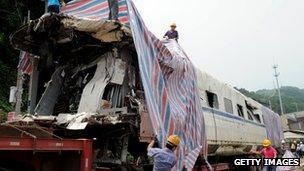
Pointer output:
x,y
292,97
12,14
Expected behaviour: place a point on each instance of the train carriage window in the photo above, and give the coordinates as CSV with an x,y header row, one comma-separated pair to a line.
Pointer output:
x,y
212,100
240,110
250,115
228,105
257,117
250,112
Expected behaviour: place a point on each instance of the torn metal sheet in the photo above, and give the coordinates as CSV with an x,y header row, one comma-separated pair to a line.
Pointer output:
x,y
112,119
92,26
91,97
113,111
77,125
48,100
73,122
104,30
113,36
81,120
64,118
119,72
64,29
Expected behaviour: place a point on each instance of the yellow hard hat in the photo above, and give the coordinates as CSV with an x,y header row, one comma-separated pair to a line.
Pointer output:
x,y
173,25
266,143
173,140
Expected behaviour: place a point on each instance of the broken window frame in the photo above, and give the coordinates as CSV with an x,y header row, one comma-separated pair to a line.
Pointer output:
x,y
228,105
257,117
212,100
240,110
250,113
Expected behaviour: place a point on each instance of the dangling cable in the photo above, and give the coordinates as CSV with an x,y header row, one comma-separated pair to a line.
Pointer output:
x,y
208,164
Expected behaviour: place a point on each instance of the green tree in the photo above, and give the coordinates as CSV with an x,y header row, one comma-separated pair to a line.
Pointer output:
x,y
292,97
12,15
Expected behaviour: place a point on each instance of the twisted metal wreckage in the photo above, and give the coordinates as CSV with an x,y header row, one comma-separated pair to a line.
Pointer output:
x,y
113,82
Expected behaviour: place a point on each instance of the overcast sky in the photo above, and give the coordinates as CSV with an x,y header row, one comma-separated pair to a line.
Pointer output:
x,y
237,41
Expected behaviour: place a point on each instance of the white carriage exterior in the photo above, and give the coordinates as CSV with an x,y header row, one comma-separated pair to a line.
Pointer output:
x,y
233,122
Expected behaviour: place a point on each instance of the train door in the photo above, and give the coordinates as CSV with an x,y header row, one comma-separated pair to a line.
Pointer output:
x,y
209,114
240,124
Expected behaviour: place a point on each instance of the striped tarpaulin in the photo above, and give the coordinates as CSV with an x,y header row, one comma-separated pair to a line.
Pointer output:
x,y
25,63
95,9
123,12
273,126
170,85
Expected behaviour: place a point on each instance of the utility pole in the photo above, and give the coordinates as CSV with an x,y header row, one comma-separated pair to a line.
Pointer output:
x,y
276,75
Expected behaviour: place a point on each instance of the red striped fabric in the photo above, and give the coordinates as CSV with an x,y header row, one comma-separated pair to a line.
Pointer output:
x,y
171,91
25,63
273,125
95,10
168,78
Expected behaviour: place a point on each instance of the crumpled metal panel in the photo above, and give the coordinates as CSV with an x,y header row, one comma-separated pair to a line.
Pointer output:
x,y
102,26
73,122
48,100
113,36
92,93
119,72
101,29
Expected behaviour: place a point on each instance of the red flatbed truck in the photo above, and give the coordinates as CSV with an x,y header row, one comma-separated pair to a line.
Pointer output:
x,y
34,148
61,155
24,151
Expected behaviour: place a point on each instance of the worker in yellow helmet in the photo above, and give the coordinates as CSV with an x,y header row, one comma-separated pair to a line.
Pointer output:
x,y
164,159
267,152
172,33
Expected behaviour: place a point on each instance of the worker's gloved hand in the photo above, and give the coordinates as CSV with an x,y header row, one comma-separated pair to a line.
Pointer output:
x,y
156,143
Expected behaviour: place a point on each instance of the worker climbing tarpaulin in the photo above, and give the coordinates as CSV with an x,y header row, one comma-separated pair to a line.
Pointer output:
x,y
273,126
170,85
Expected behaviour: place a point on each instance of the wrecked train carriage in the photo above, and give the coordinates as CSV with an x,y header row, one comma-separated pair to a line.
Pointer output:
x,y
89,79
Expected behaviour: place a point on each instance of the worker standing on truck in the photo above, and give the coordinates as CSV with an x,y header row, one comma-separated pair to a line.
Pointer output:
x,y
172,33
267,152
54,5
164,159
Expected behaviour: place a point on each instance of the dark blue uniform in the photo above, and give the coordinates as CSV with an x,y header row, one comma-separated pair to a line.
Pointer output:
x,y
172,34
164,159
53,6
